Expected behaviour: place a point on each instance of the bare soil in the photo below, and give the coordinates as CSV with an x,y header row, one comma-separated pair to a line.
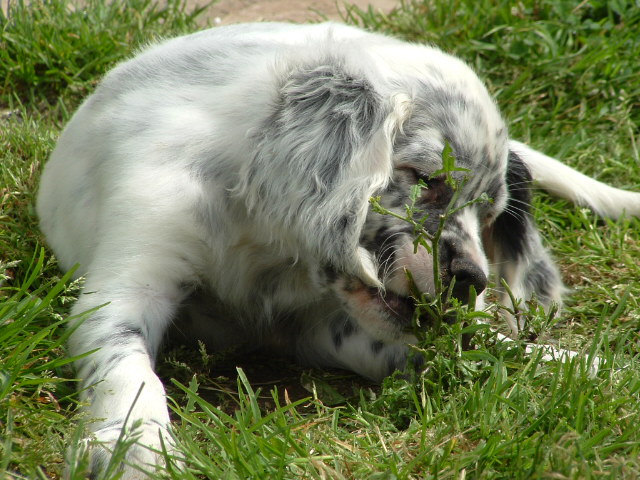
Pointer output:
x,y
225,12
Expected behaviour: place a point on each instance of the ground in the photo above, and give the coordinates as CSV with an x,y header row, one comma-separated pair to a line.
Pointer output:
x,y
225,12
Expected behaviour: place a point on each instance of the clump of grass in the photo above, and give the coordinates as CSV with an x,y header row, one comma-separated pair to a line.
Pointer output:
x,y
27,144
34,373
52,48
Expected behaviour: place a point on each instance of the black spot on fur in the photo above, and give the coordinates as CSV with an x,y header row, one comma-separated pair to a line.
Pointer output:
x,y
392,365
341,328
336,337
96,372
376,347
330,273
348,328
346,222
126,332
510,228
123,334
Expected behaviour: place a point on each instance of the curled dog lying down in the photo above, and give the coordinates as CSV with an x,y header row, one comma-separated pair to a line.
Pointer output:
x,y
220,182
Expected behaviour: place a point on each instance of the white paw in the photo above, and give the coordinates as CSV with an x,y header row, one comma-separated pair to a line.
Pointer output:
x,y
133,455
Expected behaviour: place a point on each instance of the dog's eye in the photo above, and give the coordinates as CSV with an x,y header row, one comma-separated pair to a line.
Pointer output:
x,y
437,190
417,176
412,175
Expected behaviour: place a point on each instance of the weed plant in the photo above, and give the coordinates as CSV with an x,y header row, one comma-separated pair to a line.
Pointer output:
x,y
567,78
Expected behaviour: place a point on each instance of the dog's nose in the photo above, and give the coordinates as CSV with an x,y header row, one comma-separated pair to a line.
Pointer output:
x,y
467,274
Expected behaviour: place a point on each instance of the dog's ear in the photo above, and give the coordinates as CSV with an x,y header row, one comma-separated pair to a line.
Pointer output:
x,y
324,150
515,248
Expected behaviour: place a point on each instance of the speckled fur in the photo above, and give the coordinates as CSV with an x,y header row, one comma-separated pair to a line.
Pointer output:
x,y
219,183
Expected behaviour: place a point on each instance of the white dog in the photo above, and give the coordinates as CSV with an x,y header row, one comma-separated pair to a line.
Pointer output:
x,y
221,181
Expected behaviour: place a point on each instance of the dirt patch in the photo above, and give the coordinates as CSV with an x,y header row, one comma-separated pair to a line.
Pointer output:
x,y
271,377
226,12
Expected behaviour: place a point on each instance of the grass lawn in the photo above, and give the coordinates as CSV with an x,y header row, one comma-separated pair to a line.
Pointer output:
x,y
567,78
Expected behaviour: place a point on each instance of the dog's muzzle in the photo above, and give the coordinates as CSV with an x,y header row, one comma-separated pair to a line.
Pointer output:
x,y
465,274
399,307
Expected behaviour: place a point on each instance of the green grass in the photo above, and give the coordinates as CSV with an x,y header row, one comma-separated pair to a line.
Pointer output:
x,y
567,78
51,50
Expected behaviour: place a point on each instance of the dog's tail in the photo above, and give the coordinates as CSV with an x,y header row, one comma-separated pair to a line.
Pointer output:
x,y
565,182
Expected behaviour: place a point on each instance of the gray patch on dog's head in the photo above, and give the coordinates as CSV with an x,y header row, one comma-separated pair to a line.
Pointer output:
x,y
342,108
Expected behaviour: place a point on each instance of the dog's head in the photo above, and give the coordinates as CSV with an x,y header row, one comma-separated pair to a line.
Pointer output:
x,y
336,137
467,200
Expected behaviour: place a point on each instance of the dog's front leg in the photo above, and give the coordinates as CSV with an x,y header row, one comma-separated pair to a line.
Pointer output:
x,y
124,395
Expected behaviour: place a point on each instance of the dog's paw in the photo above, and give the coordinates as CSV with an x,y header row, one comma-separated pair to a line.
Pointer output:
x,y
131,455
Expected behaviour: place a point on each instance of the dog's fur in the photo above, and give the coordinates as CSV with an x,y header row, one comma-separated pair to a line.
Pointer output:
x,y
220,182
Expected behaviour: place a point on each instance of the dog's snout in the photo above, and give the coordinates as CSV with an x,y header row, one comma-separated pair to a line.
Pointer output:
x,y
467,274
